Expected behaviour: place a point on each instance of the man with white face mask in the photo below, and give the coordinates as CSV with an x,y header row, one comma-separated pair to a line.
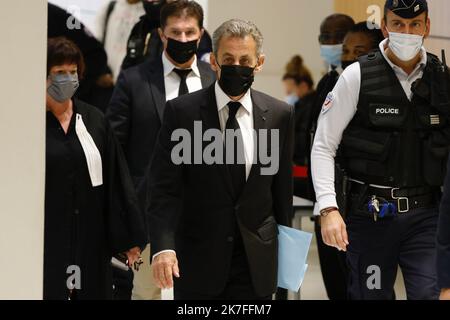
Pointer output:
x,y
387,121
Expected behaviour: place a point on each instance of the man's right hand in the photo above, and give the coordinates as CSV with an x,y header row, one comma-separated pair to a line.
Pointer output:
x,y
334,231
165,265
445,294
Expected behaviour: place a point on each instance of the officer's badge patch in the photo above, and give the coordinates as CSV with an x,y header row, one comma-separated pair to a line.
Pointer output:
x,y
435,120
328,103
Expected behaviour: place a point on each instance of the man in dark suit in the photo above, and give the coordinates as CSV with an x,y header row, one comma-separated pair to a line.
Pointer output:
x,y
214,225
137,106
443,241
144,42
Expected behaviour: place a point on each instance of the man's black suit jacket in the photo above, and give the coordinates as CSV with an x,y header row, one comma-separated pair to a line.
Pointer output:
x,y
192,208
135,113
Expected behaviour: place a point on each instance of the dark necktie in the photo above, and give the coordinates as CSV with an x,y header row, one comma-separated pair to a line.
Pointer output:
x,y
236,170
183,76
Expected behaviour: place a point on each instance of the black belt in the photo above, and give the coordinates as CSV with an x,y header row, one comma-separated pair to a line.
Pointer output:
x,y
406,199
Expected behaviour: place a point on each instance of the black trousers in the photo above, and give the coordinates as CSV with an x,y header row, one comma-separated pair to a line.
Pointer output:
x,y
377,249
333,266
239,285
122,284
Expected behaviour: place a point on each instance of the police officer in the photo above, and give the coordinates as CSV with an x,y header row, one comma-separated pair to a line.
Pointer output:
x,y
387,122
145,42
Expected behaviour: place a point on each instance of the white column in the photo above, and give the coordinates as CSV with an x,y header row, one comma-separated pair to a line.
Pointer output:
x,y
23,34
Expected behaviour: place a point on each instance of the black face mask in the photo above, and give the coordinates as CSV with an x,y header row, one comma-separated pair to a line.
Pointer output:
x,y
153,11
345,64
181,52
236,80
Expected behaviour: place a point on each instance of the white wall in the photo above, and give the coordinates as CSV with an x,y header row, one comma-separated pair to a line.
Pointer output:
x,y
289,26
440,31
23,37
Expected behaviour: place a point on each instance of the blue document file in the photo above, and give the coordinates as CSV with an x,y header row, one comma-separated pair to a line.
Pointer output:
x,y
293,248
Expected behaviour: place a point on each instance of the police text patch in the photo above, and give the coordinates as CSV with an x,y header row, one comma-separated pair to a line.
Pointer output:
x,y
382,110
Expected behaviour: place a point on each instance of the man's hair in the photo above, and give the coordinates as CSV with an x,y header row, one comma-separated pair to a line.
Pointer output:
x,y
342,21
375,34
239,29
182,8
62,51
336,27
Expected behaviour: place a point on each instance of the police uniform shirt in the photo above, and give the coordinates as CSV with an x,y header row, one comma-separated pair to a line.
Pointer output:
x,y
337,112
172,80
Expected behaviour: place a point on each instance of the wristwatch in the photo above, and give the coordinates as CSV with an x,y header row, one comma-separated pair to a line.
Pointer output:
x,y
325,212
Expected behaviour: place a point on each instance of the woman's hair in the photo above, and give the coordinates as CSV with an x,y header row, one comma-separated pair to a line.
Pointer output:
x,y
374,34
296,71
61,51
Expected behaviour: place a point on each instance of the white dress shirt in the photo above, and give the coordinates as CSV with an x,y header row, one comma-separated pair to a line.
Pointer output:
x,y
337,112
244,117
172,80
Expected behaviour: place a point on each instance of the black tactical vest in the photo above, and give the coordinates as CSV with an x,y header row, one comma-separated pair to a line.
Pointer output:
x,y
392,141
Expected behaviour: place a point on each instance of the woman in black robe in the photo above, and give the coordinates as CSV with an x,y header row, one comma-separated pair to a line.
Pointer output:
x,y
91,210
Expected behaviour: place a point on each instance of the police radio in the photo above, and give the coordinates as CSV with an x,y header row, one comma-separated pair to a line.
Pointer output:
x,y
444,61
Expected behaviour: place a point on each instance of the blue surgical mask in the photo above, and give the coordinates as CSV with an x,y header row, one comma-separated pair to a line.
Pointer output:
x,y
332,54
292,99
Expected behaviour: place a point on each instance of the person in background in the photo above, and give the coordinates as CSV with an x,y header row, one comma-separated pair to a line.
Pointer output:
x,y
299,86
300,93
359,41
98,83
144,42
138,103
332,33
113,28
91,209
297,80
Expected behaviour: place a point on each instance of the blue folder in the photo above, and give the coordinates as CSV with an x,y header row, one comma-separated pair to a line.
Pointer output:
x,y
293,248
